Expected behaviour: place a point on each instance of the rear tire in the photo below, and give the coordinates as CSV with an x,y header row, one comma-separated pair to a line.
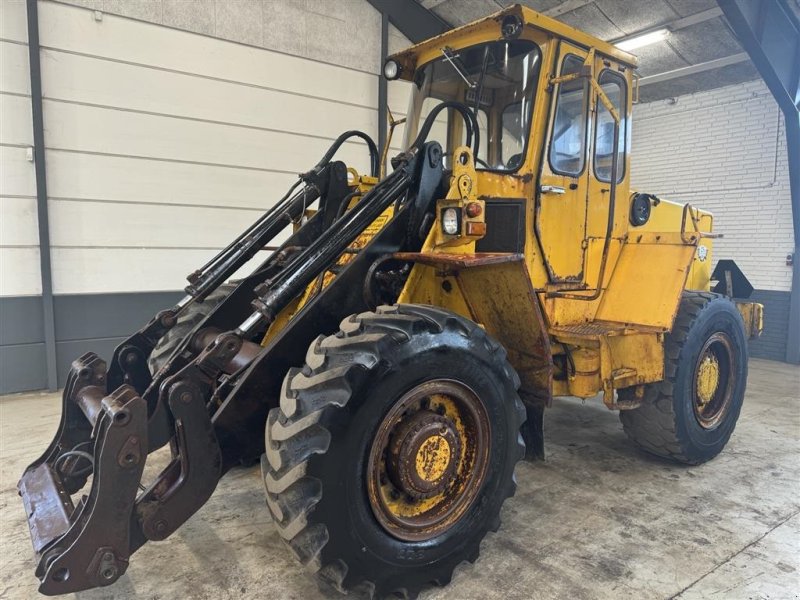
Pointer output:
x,y
691,414
187,321
326,472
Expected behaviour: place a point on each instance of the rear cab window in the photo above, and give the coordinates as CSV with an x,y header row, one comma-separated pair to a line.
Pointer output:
x,y
614,86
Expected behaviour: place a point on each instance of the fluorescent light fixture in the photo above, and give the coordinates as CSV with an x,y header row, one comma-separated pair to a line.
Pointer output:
x,y
643,40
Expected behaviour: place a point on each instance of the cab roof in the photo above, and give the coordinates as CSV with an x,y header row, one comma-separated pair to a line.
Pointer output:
x,y
462,36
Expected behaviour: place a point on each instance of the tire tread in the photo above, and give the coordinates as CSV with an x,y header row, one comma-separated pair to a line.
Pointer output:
x,y
186,322
653,426
294,432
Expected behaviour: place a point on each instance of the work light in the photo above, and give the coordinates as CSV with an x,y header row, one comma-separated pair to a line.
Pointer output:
x,y
391,70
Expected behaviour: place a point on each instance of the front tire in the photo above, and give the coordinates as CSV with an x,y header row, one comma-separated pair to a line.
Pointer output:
x,y
690,415
393,450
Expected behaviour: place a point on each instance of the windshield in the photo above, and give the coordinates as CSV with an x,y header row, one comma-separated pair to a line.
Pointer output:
x,y
495,79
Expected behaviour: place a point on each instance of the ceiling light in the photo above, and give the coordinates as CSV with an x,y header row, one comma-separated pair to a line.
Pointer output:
x,y
643,40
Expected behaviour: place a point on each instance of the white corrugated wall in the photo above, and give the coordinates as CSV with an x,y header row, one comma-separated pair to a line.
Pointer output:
x,y
19,238
161,144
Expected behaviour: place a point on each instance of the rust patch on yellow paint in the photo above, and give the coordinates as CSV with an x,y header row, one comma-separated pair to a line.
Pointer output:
x,y
707,379
432,458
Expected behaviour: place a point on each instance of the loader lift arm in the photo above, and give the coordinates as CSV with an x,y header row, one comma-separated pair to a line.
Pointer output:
x,y
326,181
210,400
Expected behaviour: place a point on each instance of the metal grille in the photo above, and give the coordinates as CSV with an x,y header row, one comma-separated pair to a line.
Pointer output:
x,y
505,227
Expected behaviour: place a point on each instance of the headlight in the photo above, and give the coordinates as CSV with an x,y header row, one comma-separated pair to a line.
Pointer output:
x,y
450,221
391,70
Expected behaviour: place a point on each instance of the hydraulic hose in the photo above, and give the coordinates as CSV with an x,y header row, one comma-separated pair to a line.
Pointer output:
x,y
374,156
469,117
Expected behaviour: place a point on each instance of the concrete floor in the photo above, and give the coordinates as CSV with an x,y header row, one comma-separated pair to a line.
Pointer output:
x,y
598,519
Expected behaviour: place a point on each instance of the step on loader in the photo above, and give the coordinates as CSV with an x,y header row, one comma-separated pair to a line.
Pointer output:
x,y
391,361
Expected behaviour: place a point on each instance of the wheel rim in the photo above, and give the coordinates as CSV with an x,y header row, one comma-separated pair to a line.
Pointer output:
x,y
428,459
713,380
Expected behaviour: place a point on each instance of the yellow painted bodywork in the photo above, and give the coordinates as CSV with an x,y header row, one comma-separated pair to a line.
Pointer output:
x,y
361,184
616,339
567,331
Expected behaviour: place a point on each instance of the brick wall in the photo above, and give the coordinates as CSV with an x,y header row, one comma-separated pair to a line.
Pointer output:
x,y
725,151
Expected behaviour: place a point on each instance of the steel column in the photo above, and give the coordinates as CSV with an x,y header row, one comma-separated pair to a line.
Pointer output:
x,y
41,194
793,153
383,115
770,33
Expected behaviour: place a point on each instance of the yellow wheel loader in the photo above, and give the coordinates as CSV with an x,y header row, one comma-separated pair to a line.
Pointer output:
x,y
391,361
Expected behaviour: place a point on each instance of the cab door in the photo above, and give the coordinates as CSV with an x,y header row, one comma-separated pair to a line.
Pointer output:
x,y
561,201
612,78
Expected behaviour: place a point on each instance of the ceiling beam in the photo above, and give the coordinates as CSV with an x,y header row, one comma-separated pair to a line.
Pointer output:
x,y
696,18
676,25
717,63
413,20
770,34
430,4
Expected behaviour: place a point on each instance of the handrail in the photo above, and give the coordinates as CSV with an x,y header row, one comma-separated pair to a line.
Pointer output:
x,y
688,209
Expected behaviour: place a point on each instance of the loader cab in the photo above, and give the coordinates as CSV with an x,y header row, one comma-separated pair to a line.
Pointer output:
x,y
539,91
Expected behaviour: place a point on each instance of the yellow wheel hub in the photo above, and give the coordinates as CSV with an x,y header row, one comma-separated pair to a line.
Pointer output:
x,y
428,460
433,458
707,379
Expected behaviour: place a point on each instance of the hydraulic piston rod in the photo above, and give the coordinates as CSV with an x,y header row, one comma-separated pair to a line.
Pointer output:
x,y
275,294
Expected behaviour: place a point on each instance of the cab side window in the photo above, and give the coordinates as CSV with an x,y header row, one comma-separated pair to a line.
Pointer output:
x,y
568,138
613,85
512,123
